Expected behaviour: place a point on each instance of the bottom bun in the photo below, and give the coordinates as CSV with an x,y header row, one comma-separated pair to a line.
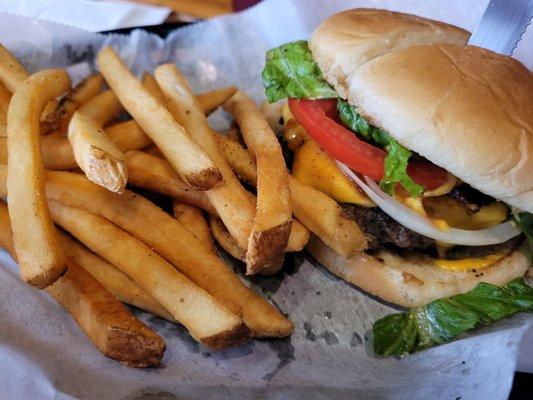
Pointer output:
x,y
413,281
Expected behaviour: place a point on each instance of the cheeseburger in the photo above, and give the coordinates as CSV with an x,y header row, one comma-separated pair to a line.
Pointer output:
x,y
432,147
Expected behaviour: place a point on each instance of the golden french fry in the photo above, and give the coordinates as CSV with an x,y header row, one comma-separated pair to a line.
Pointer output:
x,y
153,173
95,153
40,257
5,98
142,219
192,218
12,73
323,216
238,158
225,240
210,101
206,320
57,121
57,152
109,325
193,165
299,237
272,221
117,282
128,136
229,200
152,86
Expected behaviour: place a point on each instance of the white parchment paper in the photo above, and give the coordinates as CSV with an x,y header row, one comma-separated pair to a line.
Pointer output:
x,y
44,355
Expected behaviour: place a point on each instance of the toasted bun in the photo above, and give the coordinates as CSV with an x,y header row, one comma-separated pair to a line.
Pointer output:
x,y
466,109
415,281
347,40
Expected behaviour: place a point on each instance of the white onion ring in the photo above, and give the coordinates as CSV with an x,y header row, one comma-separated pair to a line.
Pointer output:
x,y
422,225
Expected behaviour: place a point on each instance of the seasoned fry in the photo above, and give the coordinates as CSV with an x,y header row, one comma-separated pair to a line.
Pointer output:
x,y
192,218
40,257
152,86
153,173
95,153
128,136
107,323
239,159
118,283
58,120
12,73
224,239
229,200
142,219
183,154
323,216
5,98
272,222
210,101
57,152
229,244
206,320
299,236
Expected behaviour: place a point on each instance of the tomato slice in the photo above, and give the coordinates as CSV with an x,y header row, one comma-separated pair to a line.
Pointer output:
x,y
318,119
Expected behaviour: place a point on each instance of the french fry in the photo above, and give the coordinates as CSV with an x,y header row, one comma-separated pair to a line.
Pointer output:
x,y
192,218
183,154
58,120
323,216
229,200
206,320
299,236
224,239
238,158
118,283
95,153
40,257
105,320
272,221
5,98
210,101
57,152
128,136
153,173
142,219
109,325
12,73
152,86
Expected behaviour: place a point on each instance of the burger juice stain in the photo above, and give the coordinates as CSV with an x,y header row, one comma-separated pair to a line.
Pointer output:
x,y
285,352
329,337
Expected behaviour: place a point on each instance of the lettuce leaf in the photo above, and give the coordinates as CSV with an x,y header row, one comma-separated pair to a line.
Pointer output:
x,y
525,222
443,320
291,72
397,157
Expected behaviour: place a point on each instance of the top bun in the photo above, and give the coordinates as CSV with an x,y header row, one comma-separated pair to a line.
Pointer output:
x,y
347,40
466,109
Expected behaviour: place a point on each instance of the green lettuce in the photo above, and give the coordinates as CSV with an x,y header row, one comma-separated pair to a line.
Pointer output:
x,y
291,72
397,157
525,222
443,320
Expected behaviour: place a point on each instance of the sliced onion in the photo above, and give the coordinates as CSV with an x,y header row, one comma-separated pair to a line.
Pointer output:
x,y
422,225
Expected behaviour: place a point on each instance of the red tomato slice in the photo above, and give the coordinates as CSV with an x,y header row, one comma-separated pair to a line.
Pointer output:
x,y
317,117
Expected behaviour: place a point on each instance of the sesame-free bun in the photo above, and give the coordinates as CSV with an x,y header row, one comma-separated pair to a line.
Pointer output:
x,y
351,38
464,108
413,281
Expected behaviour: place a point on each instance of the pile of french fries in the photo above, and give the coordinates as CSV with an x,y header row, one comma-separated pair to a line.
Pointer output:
x,y
70,163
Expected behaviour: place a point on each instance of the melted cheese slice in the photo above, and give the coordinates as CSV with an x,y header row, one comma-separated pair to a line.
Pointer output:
x,y
467,264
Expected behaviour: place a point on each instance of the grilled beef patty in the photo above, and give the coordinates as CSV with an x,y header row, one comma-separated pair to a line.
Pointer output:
x,y
382,232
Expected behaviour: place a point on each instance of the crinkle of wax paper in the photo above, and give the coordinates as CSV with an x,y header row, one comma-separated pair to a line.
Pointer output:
x,y
43,354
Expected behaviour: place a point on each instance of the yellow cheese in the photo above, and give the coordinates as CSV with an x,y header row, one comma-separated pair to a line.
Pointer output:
x,y
467,264
456,216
